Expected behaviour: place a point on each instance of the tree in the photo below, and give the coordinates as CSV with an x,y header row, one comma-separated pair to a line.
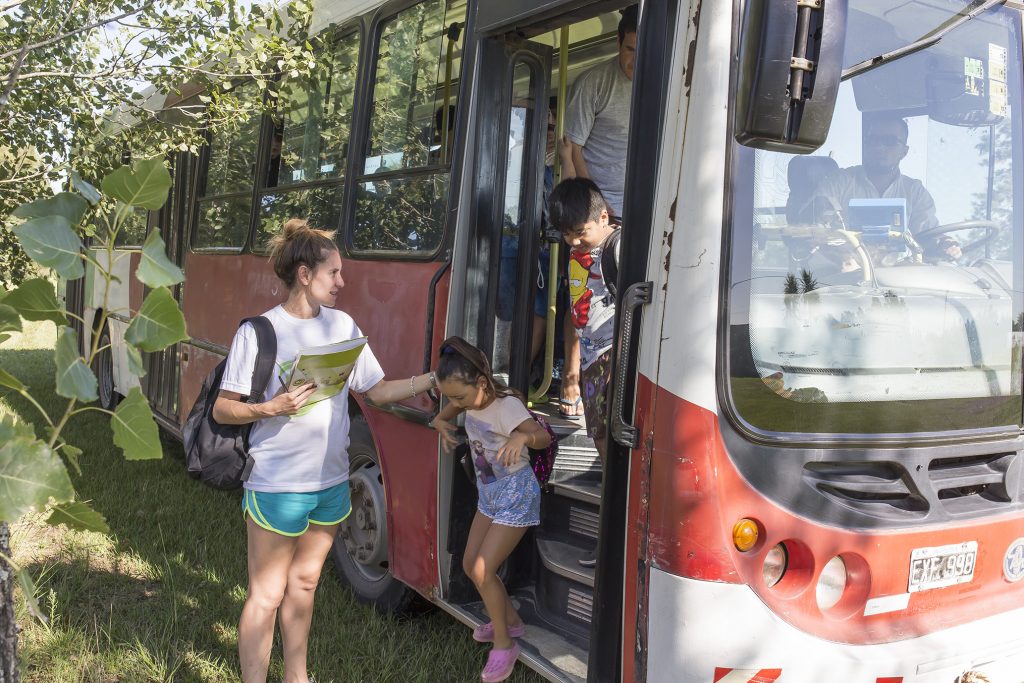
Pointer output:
x,y
34,471
83,81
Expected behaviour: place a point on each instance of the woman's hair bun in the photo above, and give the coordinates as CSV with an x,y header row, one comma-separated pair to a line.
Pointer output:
x,y
294,227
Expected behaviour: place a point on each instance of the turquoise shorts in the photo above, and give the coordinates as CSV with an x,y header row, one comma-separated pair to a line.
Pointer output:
x,y
290,514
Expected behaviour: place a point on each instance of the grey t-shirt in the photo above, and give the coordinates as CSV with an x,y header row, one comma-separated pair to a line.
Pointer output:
x,y
849,183
597,119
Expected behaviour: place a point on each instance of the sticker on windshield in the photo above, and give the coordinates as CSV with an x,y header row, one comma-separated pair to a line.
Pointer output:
x,y
1013,561
974,68
996,62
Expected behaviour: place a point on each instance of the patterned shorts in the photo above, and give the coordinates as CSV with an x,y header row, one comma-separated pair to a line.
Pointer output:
x,y
511,501
594,383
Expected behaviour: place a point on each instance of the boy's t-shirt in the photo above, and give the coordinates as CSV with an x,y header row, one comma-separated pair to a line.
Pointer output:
x,y
488,430
308,452
593,306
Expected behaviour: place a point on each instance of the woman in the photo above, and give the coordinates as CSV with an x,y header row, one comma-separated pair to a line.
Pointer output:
x,y
297,492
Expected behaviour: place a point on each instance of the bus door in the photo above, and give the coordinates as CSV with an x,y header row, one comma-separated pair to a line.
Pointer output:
x,y
510,147
161,381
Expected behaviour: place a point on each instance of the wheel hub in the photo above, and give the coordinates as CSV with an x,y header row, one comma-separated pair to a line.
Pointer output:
x,y
365,532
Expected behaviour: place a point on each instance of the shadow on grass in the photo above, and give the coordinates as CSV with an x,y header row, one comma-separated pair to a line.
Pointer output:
x,y
160,599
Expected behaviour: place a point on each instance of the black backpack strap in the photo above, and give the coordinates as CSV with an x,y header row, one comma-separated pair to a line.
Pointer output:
x,y
266,357
610,261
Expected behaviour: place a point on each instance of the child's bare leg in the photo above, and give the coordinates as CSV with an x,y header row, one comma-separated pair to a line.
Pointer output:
x,y
498,544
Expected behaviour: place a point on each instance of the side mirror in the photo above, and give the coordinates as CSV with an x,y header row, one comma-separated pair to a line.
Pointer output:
x,y
789,64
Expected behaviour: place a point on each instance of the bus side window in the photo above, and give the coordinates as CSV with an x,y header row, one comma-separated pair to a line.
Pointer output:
x,y
411,124
309,148
224,205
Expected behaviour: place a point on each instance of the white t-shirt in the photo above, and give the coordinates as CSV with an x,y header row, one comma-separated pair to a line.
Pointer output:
x,y
488,430
309,452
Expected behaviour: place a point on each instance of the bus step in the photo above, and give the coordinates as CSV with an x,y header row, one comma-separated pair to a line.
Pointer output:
x,y
575,519
583,490
560,556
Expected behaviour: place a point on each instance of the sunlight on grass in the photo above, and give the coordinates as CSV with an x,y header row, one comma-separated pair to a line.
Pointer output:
x,y
159,599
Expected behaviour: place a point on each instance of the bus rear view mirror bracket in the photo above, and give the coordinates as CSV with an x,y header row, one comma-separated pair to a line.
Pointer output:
x,y
790,61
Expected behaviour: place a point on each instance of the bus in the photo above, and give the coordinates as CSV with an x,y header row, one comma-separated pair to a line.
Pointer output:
x,y
816,466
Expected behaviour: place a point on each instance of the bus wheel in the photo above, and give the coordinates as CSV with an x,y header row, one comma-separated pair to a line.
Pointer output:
x,y
361,546
103,366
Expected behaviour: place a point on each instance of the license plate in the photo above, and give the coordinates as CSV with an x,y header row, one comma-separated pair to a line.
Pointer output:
x,y
942,566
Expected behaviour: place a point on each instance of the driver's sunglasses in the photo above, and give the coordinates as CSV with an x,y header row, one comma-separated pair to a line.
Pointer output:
x,y
885,141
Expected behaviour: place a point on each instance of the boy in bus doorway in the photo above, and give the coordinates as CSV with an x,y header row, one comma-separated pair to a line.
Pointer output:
x,y
500,430
579,211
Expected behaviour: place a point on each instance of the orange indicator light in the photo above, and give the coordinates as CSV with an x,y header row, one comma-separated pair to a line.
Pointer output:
x,y
744,534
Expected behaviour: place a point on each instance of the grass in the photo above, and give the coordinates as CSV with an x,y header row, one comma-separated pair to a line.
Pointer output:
x,y
159,599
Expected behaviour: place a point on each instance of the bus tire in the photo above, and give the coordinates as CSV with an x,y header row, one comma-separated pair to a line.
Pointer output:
x,y
103,366
361,547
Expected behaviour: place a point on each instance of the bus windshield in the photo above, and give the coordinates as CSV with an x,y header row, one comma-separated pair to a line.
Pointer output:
x,y
876,284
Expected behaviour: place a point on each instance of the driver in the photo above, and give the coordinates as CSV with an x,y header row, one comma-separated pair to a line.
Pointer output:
x,y
885,146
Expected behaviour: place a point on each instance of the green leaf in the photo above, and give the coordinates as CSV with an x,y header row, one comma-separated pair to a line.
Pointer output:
x,y
36,299
158,324
72,454
78,515
135,432
145,184
155,269
28,592
67,204
74,378
51,242
87,190
135,365
10,321
30,473
4,337
10,381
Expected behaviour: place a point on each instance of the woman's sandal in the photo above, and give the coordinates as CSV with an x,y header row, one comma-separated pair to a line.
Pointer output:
x,y
484,633
565,405
500,664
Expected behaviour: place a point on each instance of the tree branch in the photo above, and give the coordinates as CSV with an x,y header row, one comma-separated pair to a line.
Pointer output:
x,y
68,34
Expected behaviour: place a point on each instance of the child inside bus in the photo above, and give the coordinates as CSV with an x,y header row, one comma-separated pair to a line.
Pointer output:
x,y
500,431
579,211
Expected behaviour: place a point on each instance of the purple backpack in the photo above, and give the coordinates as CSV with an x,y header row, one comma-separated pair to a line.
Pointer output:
x,y
542,460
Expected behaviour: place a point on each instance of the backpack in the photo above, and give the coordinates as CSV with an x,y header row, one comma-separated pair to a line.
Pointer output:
x,y
610,261
542,460
218,454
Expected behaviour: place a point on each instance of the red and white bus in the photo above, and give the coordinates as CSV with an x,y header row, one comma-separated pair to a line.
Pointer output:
x,y
817,471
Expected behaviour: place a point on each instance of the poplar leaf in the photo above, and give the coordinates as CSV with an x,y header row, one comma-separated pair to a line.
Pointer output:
x,y
10,381
155,269
158,324
91,194
30,473
144,184
78,515
135,431
67,204
36,299
28,592
51,242
135,365
74,377
10,321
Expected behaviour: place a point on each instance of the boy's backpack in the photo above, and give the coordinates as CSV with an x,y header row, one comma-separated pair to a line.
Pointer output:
x,y
610,261
542,460
218,454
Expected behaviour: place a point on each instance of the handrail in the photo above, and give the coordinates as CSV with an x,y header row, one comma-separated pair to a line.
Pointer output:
x,y
552,309
636,295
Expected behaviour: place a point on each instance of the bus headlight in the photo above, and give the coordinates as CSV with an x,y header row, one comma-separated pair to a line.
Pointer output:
x,y
831,583
774,566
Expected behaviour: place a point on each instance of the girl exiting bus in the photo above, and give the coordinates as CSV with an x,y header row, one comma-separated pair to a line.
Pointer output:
x,y
297,493
500,430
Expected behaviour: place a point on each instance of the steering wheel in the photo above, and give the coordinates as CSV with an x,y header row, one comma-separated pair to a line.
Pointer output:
x,y
991,228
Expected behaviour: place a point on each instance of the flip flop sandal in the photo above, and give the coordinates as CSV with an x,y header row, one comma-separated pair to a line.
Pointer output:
x,y
563,404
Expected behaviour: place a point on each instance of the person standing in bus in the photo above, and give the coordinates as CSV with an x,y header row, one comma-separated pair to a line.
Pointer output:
x,y
297,493
597,116
579,211
500,431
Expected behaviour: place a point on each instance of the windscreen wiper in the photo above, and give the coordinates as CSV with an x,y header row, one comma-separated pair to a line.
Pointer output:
x,y
925,41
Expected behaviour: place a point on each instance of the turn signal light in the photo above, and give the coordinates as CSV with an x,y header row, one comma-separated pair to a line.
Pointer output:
x,y
744,534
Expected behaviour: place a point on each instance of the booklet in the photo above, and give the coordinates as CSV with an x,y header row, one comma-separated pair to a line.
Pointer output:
x,y
326,366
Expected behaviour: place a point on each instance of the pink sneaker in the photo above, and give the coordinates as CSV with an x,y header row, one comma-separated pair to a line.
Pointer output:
x,y
484,633
500,664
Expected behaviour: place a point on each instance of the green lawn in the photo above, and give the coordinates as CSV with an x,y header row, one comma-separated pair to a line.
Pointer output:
x,y
159,599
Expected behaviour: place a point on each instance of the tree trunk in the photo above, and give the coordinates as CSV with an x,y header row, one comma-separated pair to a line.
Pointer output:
x,y
8,627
